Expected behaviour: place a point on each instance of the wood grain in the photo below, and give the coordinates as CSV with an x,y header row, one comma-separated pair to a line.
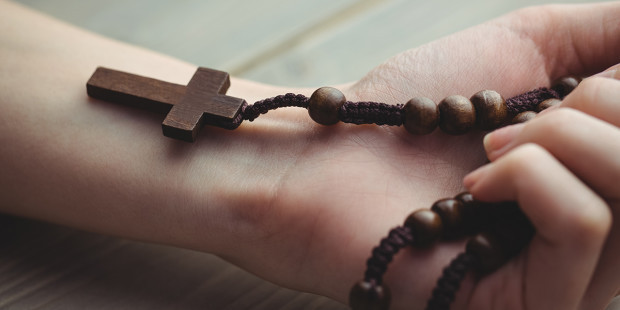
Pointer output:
x,y
134,90
189,108
204,103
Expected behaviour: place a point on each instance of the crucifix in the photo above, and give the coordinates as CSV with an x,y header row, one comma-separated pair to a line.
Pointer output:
x,y
189,108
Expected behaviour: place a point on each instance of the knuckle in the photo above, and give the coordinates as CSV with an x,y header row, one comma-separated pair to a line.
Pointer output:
x,y
560,122
585,94
526,160
523,156
588,223
592,222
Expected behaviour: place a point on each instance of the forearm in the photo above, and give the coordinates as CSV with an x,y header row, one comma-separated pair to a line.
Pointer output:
x,y
102,167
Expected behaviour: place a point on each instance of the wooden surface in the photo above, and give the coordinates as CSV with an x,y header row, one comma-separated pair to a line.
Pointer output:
x,y
44,266
287,42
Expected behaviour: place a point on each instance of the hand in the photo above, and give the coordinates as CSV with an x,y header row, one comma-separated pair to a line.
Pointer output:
x,y
349,185
563,169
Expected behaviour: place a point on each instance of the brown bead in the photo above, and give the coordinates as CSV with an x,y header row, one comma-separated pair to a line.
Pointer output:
x,y
369,296
487,251
451,213
457,115
491,109
421,116
324,105
523,117
466,198
566,85
472,213
426,227
547,104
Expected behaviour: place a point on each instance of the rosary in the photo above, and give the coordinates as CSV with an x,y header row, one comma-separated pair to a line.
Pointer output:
x,y
499,230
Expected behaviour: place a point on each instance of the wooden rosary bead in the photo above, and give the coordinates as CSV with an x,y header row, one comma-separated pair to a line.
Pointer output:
x,y
369,296
487,251
523,117
566,85
451,213
473,213
491,109
324,104
466,198
547,104
426,227
457,115
421,116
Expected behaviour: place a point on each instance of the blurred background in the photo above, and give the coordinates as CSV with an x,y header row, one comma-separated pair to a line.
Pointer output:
x,y
285,42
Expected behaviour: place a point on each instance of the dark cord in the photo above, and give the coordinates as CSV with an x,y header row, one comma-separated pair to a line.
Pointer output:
x,y
450,281
382,255
367,112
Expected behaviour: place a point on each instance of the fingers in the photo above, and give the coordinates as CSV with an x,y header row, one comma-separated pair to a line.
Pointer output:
x,y
532,176
570,219
583,137
597,96
585,144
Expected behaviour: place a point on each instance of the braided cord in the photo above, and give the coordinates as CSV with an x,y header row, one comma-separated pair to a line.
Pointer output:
x,y
529,100
368,112
450,281
371,113
382,255
251,112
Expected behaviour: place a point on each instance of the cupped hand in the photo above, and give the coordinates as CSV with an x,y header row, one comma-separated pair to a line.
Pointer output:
x,y
562,168
339,189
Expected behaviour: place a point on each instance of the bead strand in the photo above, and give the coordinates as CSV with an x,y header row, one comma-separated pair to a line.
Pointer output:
x,y
371,293
523,106
485,110
501,232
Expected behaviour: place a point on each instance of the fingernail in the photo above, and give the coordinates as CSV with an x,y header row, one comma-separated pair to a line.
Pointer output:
x,y
499,139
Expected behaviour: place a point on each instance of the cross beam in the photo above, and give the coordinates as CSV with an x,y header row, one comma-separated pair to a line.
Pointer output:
x,y
189,108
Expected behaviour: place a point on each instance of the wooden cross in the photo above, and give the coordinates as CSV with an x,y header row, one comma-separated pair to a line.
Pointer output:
x,y
189,108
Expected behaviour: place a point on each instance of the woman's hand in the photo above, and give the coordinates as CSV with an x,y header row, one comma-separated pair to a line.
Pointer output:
x,y
563,169
351,184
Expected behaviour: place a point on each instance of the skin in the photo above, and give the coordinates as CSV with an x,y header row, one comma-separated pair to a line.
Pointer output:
x,y
537,169
301,204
